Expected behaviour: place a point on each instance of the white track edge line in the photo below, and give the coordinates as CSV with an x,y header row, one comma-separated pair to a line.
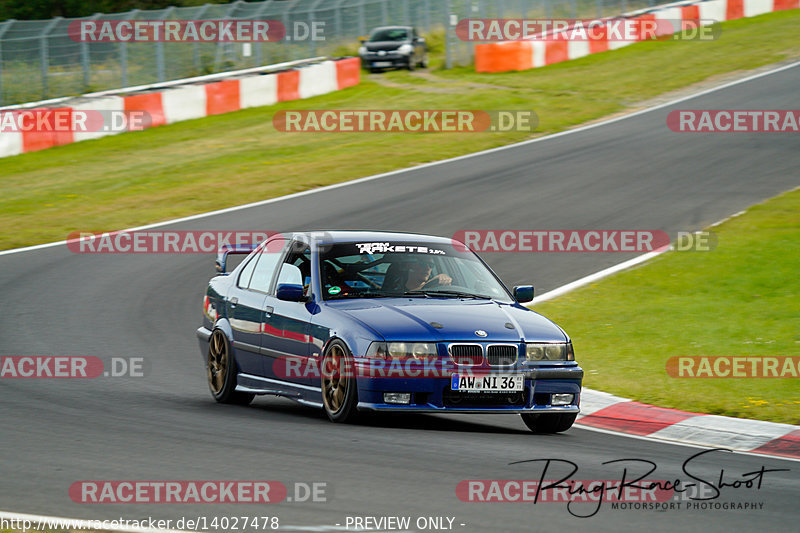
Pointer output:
x,y
684,444
427,165
89,524
598,275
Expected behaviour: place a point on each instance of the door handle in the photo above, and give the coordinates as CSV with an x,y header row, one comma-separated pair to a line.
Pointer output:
x,y
234,301
268,311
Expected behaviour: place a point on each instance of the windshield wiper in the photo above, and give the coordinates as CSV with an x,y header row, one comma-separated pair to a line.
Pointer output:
x,y
457,294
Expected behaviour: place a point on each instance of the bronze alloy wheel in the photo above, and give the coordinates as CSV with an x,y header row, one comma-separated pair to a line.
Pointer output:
x,y
217,362
221,371
339,395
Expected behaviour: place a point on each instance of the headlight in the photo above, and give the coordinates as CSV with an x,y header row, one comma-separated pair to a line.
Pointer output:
x,y
405,49
549,352
402,350
362,50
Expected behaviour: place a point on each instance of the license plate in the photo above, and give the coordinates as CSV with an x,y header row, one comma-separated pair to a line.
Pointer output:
x,y
487,382
382,64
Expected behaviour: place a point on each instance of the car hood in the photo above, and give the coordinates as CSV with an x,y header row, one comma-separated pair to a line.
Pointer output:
x,y
412,319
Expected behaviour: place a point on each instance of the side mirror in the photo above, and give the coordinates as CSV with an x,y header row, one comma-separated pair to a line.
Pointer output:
x,y
523,293
291,293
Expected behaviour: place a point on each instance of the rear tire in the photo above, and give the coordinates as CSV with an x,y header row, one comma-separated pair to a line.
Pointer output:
x,y
221,371
339,390
549,422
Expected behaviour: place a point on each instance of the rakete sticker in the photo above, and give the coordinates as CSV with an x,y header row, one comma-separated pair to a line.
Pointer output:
x,y
334,290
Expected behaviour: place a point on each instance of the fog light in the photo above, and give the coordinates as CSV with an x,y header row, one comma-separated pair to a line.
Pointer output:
x,y
561,399
400,397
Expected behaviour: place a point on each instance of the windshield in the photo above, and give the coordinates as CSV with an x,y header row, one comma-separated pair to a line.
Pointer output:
x,y
392,269
389,34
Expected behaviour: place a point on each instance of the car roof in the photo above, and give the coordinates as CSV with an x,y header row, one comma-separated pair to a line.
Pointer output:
x,y
392,28
345,236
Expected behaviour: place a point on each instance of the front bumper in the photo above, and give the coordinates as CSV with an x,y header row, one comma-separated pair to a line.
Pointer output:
x,y
203,337
433,395
385,61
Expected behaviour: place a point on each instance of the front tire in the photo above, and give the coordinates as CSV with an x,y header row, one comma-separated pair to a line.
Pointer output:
x,y
339,391
549,422
221,371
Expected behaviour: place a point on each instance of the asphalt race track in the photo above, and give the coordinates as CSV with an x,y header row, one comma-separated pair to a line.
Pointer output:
x,y
629,174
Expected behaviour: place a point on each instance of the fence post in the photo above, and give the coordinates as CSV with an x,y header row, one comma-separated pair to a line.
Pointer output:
x,y
3,28
258,45
85,65
160,68
362,24
123,52
311,18
226,48
44,56
448,61
195,53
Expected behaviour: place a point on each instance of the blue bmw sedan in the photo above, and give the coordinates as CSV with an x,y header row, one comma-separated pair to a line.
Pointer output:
x,y
351,321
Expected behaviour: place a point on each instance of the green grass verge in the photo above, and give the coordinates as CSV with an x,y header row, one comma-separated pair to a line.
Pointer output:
x,y
220,161
740,299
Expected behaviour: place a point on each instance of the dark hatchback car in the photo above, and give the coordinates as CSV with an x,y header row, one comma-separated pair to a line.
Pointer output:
x,y
354,321
393,47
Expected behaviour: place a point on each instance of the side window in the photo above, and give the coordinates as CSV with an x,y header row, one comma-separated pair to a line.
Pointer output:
x,y
247,272
264,271
296,268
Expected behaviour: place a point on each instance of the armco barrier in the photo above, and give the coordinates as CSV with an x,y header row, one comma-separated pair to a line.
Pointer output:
x,y
184,103
526,54
222,97
317,79
108,103
255,91
10,143
288,86
41,139
193,100
348,72
151,103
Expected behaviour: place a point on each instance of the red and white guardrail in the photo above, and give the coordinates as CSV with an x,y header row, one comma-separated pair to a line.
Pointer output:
x,y
508,56
180,100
